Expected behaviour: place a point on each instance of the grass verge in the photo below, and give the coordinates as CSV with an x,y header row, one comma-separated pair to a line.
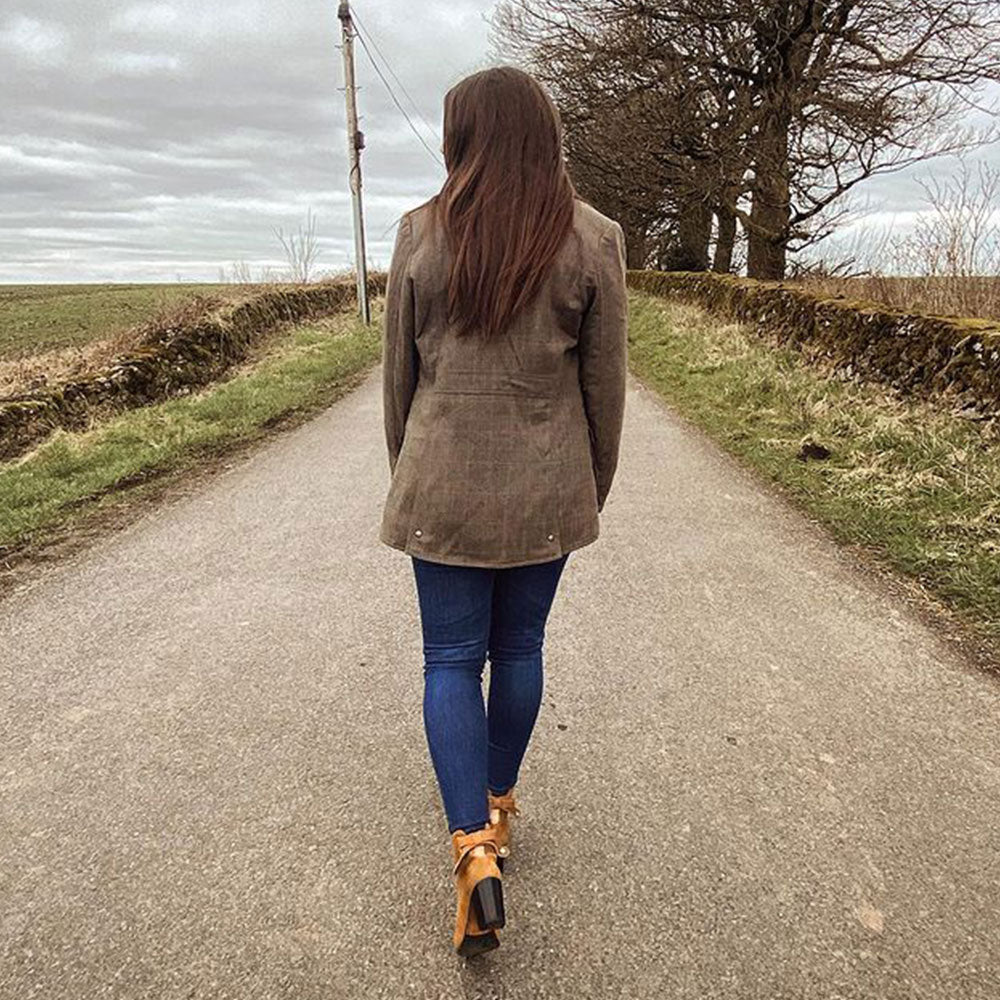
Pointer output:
x,y
909,481
67,478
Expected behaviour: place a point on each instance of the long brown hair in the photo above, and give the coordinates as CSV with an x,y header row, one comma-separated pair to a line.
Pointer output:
x,y
507,203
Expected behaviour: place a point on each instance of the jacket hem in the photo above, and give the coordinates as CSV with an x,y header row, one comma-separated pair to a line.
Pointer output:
x,y
457,559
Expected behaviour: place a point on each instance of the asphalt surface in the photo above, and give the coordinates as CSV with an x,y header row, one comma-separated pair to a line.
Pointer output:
x,y
756,773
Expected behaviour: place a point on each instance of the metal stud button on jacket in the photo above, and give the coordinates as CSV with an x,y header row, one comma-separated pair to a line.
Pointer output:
x,y
502,452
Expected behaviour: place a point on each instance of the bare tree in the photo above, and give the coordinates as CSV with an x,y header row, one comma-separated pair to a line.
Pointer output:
x,y
630,124
238,273
961,236
301,249
759,111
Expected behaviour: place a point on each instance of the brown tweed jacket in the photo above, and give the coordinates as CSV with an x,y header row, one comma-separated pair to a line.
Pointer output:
x,y
502,454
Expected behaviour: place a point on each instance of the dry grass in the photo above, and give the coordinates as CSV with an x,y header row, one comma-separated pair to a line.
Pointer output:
x,y
935,295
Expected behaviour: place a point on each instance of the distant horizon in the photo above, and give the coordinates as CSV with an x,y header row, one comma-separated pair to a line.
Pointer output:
x,y
285,281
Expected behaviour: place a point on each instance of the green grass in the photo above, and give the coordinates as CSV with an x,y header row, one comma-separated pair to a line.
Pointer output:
x,y
907,479
39,318
303,370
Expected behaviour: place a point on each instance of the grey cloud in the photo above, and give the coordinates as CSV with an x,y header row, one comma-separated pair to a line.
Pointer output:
x,y
28,39
155,139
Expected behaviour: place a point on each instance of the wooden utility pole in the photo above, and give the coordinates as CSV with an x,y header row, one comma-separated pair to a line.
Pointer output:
x,y
355,143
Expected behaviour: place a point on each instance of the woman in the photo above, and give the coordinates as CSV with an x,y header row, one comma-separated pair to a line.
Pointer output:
x,y
504,359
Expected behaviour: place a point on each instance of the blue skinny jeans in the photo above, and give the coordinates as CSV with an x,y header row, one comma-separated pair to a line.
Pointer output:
x,y
469,613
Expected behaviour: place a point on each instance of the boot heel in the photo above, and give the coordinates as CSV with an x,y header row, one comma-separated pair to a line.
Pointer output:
x,y
487,899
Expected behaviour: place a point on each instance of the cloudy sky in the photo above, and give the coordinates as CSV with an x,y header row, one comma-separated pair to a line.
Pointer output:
x,y
162,140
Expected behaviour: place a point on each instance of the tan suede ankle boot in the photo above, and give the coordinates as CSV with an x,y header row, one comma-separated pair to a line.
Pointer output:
x,y
479,892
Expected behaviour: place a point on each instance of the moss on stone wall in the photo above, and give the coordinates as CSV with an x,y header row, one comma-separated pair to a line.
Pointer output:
x,y
172,358
926,355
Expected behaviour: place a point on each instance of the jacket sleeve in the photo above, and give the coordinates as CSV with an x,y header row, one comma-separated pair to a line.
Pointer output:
x,y
603,348
399,351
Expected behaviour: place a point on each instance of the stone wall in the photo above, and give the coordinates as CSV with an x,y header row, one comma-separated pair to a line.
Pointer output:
x,y
927,355
171,359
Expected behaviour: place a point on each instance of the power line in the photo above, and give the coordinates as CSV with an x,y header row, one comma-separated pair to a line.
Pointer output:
x,y
395,100
388,87
392,72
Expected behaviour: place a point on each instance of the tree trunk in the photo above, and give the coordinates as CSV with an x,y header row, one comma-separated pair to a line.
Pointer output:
x,y
689,251
725,239
767,234
636,247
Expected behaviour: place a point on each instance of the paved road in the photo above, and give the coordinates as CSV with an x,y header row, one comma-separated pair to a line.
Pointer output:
x,y
755,775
